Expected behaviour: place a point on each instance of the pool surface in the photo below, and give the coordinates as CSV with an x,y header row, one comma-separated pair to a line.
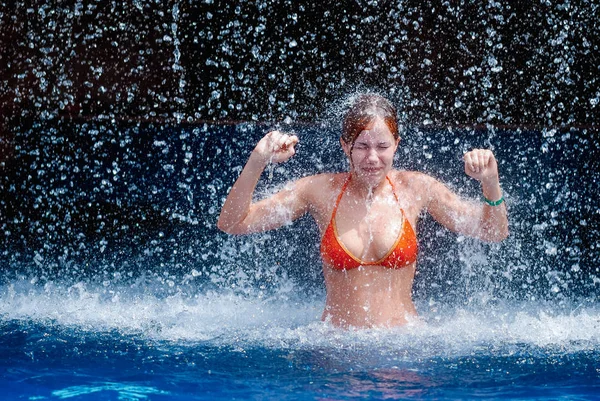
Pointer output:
x,y
86,343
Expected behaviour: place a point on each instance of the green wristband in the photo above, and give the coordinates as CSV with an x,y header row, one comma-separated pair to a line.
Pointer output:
x,y
493,203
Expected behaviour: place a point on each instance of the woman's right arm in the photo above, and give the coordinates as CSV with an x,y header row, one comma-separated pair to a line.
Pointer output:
x,y
239,215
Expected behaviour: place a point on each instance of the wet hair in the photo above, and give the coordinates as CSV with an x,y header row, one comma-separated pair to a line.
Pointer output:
x,y
362,113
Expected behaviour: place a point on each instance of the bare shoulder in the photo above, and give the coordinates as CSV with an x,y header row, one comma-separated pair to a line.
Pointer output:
x,y
319,193
319,187
414,188
414,180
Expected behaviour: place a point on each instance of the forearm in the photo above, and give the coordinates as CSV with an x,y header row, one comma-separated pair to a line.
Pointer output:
x,y
494,219
484,221
239,200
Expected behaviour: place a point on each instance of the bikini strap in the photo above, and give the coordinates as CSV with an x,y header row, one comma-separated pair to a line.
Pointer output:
x,y
396,196
393,188
339,198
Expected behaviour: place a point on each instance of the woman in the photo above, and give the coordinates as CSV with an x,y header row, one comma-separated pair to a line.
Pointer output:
x,y
367,216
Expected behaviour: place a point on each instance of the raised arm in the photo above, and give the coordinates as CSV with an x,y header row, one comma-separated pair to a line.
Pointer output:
x,y
239,215
487,220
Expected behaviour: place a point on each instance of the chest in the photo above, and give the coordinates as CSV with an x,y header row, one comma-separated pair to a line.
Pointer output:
x,y
369,231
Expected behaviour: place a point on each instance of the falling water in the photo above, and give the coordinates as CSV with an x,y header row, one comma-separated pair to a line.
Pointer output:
x,y
124,126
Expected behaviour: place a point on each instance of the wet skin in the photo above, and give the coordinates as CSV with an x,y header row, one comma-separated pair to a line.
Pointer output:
x,y
368,218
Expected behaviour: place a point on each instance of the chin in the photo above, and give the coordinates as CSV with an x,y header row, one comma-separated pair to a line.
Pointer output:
x,y
372,176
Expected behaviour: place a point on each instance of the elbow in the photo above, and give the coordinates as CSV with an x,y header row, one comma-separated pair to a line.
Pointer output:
x,y
229,228
499,236
232,224
223,225
226,228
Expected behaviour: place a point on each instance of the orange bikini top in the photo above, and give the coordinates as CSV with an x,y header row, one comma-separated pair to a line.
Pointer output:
x,y
334,253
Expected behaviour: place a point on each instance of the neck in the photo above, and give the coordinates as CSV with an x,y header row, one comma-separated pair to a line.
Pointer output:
x,y
365,189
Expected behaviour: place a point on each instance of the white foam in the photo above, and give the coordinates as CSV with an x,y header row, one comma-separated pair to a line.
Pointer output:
x,y
124,391
284,322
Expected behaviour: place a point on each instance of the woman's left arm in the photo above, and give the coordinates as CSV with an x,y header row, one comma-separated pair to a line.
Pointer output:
x,y
488,220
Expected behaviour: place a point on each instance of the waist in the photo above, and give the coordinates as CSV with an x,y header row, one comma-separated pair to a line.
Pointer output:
x,y
368,315
369,296
369,283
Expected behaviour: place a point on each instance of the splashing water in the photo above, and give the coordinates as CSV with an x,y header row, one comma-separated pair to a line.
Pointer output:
x,y
97,211
160,280
109,248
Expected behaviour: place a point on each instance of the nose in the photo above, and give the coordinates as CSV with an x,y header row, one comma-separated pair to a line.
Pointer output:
x,y
372,155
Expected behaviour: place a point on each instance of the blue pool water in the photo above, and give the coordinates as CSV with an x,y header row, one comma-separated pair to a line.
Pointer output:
x,y
105,343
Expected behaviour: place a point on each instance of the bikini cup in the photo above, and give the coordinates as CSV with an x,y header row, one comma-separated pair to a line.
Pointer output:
x,y
335,254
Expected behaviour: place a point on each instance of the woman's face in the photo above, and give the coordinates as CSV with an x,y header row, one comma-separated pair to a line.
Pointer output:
x,y
372,156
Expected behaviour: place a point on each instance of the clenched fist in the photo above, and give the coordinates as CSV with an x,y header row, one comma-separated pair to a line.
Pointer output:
x,y
276,147
481,165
